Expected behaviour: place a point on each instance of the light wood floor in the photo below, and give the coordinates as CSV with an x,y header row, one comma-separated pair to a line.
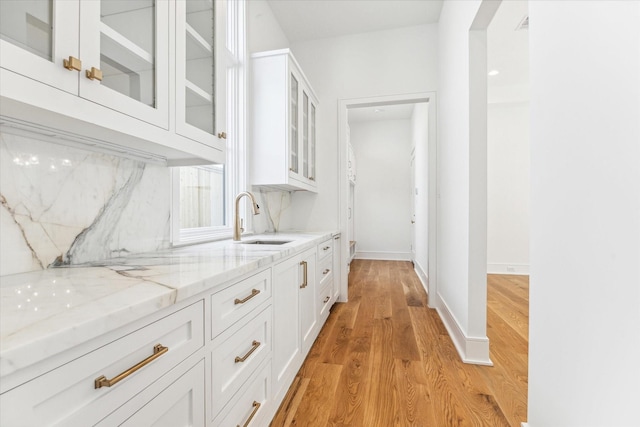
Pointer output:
x,y
384,359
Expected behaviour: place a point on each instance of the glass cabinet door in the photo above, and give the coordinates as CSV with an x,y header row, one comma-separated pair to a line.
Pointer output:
x,y
305,134
124,48
293,126
36,36
195,68
312,143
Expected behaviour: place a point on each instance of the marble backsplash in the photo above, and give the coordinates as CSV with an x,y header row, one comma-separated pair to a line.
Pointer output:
x,y
63,205
274,207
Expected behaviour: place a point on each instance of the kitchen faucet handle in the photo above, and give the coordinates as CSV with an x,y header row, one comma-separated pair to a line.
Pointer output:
x,y
241,225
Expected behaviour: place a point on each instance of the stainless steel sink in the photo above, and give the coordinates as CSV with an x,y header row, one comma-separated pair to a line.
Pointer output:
x,y
265,242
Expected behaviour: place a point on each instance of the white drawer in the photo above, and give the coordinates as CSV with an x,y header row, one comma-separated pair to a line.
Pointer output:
x,y
325,300
250,405
236,354
325,249
231,304
325,271
168,402
68,396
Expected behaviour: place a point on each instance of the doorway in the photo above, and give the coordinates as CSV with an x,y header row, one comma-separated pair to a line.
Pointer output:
x,y
347,211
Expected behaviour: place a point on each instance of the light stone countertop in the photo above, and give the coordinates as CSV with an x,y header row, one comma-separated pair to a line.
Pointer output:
x,y
46,312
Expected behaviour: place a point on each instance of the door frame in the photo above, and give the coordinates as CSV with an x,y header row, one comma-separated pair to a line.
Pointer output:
x,y
343,181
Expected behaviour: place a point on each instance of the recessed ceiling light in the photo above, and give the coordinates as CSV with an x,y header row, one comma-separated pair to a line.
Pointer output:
x,y
494,73
378,110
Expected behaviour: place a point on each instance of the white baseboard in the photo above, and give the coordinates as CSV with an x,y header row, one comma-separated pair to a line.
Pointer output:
x,y
518,269
524,425
422,276
472,350
386,256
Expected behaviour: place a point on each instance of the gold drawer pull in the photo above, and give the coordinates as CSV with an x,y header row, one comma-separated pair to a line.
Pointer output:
x,y
326,271
255,345
102,381
256,406
72,64
222,135
304,269
326,299
94,74
254,292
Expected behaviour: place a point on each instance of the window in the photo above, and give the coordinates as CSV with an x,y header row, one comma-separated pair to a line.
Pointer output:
x,y
202,196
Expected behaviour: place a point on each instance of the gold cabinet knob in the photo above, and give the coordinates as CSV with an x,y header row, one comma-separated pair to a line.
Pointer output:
x,y
222,135
72,64
94,74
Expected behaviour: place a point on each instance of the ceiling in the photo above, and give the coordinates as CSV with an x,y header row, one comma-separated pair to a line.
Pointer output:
x,y
507,50
315,19
508,53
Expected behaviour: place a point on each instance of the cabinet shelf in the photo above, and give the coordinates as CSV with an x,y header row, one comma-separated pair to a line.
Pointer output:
x,y
202,97
202,45
123,51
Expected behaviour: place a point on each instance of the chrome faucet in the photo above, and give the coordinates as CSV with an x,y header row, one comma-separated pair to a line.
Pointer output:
x,y
237,222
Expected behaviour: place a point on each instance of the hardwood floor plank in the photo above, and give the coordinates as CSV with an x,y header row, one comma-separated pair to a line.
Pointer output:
x,y
382,399
315,406
290,404
385,359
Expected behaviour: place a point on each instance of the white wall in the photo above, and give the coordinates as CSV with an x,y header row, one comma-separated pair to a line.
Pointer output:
x,y
461,278
420,139
508,188
364,65
264,33
263,30
383,189
585,219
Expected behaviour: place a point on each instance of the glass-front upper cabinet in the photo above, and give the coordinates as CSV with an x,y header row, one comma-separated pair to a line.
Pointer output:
x,y
124,47
305,134
203,58
312,142
39,38
293,125
308,137
284,111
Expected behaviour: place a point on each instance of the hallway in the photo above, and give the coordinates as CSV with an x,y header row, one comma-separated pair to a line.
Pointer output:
x,y
385,359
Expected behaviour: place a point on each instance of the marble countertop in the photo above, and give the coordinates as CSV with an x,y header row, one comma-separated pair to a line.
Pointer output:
x,y
46,312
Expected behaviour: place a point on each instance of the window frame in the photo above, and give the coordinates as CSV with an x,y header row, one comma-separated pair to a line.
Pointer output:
x,y
235,66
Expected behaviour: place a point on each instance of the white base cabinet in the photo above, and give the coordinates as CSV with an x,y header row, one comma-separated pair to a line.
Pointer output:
x,y
180,403
222,358
68,395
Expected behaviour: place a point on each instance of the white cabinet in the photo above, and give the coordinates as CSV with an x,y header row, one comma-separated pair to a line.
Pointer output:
x,y
118,57
36,37
241,325
168,403
201,76
87,389
325,279
295,317
224,357
250,406
99,73
337,265
307,300
283,135
286,328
